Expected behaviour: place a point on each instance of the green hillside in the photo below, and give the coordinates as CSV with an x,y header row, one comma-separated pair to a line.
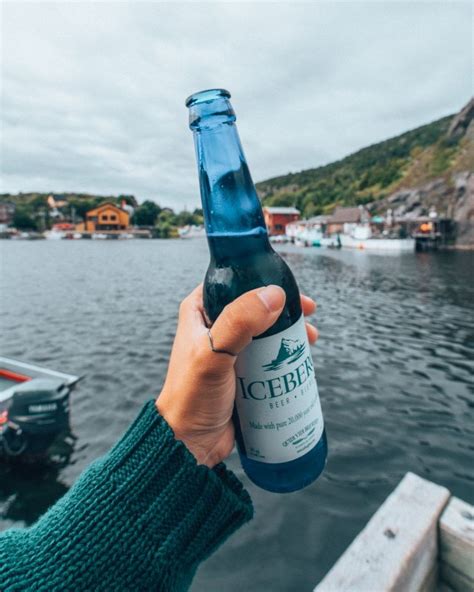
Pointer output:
x,y
369,175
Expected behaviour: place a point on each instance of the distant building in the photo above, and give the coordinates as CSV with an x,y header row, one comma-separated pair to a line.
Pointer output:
x,y
276,219
294,229
7,211
106,217
342,218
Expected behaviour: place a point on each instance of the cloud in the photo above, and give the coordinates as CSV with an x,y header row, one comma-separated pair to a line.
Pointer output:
x,y
93,93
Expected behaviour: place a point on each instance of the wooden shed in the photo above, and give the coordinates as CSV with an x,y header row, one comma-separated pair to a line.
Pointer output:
x,y
276,219
342,216
106,217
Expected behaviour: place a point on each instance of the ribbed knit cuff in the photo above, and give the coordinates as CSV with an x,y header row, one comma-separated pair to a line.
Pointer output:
x,y
141,518
186,508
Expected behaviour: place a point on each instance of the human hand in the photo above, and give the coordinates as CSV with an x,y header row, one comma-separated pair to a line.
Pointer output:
x,y
198,395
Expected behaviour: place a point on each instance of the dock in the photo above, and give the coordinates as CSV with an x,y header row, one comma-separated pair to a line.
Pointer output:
x,y
421,539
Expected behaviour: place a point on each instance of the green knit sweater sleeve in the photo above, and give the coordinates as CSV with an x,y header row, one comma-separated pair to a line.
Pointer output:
x,y
141,518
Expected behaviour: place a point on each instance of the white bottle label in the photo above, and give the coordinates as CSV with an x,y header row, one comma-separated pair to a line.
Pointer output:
x,y
277,397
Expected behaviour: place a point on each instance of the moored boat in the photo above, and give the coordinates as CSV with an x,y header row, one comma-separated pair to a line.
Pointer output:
x,y
54,234
60,231
379,244
34,408
361,237
279,239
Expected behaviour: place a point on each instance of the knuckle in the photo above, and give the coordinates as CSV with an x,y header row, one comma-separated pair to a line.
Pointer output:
x,y
202,360
237,321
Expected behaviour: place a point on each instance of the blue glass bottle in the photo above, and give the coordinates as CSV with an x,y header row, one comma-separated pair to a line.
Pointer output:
x,y
279,427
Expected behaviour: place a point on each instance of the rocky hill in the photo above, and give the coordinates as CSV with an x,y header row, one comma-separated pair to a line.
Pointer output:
x,y
430,166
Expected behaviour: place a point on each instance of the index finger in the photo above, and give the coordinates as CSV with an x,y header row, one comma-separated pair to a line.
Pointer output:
x,y
307,304
192,306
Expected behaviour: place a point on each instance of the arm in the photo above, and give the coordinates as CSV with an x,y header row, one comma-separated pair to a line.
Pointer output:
x,y
144,516
141,518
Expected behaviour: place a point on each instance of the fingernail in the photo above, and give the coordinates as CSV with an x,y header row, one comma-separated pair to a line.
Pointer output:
x,y
273,297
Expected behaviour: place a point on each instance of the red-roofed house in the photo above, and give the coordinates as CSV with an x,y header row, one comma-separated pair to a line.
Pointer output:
x,y
276,218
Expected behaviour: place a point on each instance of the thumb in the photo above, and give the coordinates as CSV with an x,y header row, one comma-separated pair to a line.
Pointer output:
x,y
248,316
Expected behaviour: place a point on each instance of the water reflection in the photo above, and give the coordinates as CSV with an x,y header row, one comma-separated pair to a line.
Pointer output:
x,y
394,365
30,484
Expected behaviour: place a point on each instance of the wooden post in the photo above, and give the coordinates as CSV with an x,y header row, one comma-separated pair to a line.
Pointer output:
x,y
398,549
456,545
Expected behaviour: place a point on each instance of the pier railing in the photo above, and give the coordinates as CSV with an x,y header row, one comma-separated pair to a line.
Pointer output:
x,y
420,540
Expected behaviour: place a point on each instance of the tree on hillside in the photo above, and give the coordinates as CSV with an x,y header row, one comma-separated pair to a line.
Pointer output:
x,y
184,218
280,199
22,220
131,200
81,206
146,214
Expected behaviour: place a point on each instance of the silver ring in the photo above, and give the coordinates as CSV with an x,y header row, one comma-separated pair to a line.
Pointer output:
x,y
218,351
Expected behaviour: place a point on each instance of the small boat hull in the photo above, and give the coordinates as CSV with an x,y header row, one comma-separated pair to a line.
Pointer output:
x,y
379,244
34,409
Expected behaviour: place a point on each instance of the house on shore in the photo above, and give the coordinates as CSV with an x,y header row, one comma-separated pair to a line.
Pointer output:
x,y
105,218
316,223
277,218
7,211
343,218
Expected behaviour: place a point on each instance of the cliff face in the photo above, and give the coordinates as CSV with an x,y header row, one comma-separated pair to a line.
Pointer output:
x,y
462,120
429,167
451,198
452,194
464,211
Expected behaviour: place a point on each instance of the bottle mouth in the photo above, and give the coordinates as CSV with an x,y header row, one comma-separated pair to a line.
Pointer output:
x,y
205,96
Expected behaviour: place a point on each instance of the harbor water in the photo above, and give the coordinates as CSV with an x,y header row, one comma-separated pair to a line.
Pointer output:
x,y
394,366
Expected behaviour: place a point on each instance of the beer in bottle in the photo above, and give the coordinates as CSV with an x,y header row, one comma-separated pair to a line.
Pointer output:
x,y
278,421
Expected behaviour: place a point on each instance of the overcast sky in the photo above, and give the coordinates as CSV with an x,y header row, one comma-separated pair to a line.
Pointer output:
x,y
93,93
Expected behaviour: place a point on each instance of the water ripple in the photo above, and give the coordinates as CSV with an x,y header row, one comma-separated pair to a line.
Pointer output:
x,y
394,365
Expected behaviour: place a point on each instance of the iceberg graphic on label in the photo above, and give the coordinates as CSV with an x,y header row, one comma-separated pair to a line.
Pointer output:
x,y
290,350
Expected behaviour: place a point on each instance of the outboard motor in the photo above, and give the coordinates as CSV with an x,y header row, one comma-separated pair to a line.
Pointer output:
x,y
38,412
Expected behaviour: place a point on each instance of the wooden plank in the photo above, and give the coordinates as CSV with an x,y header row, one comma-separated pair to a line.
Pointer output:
x,y
431,581
456,544
457,581
443,587
397,550
430,584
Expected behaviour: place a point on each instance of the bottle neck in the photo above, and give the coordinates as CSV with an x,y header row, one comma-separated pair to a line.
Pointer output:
x,y
229,199
230,203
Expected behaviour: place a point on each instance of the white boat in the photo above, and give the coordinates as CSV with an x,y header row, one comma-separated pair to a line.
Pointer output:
x,y
312,236
330,241
60,231
279,239
294,229
191,231
20,236
306,233
379,244
99,236
360,237
54,234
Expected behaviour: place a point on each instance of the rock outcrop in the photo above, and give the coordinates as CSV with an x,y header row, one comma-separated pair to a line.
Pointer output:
x,y
464,209
450,198
462,120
